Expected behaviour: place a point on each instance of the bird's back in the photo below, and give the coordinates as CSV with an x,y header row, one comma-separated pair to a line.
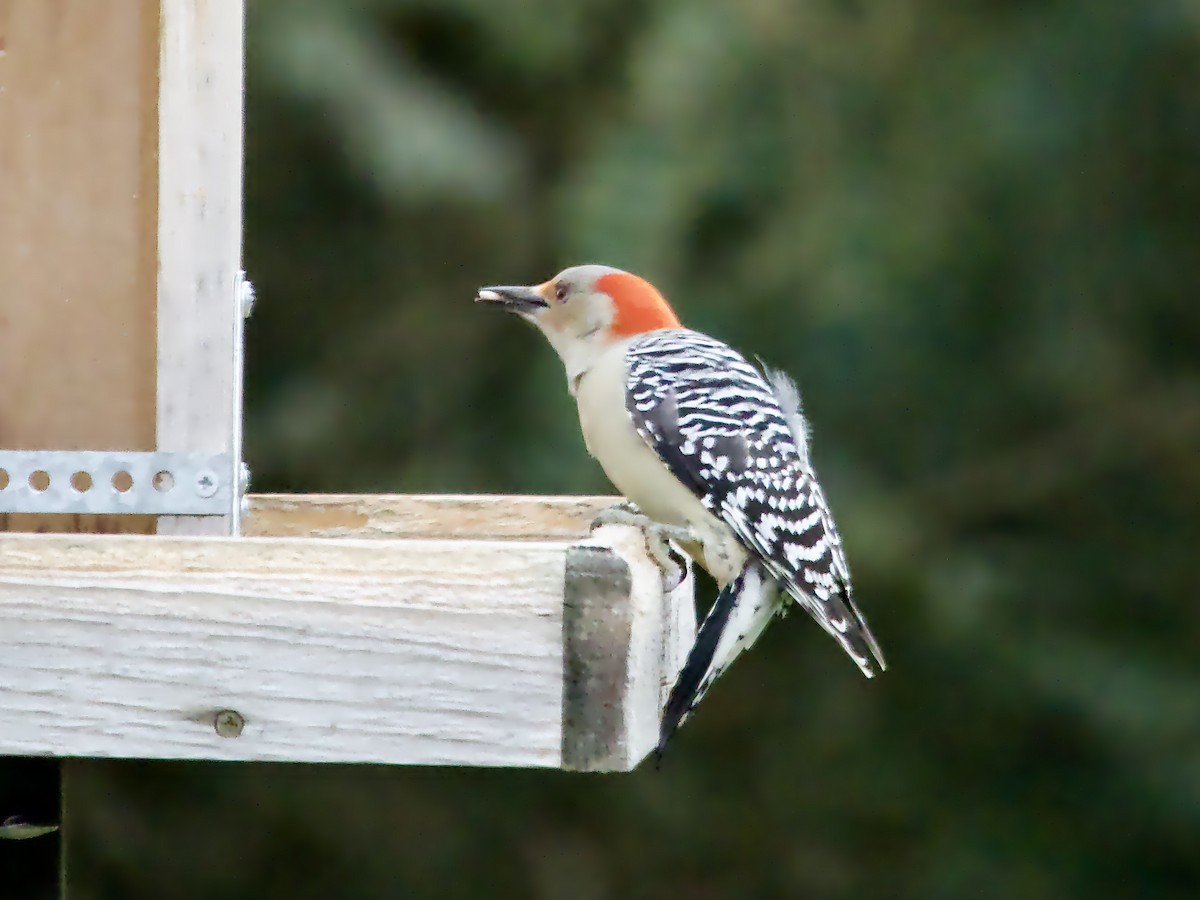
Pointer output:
x,y
717,423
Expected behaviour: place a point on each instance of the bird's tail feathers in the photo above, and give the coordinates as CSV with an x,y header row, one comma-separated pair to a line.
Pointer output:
x,y
690,683
738,616
841,617
863,630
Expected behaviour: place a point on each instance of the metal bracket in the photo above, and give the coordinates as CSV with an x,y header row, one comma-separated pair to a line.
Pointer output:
x,y
157,483
244,297
104,482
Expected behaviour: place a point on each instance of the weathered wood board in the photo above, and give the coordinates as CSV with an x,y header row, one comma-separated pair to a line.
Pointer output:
x,y
419,651
460,516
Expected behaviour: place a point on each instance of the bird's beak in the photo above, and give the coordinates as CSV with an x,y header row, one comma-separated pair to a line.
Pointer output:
x,y
514,298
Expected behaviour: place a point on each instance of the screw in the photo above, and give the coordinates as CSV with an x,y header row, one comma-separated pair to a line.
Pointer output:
x,y
206,483
245,295
229,723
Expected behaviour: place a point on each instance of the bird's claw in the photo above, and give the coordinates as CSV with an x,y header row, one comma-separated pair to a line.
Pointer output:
x,y
658,536
622,513
670,561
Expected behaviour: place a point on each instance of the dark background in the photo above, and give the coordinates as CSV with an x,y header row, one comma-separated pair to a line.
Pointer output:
x,y
971,231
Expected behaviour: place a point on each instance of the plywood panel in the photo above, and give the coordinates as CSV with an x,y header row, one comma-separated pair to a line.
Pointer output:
x,y
78,220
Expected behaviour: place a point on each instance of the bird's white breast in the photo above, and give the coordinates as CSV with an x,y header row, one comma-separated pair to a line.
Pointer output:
x,y
635,469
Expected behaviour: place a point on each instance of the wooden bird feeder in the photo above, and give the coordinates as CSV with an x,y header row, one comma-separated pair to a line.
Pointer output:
x,y
149,608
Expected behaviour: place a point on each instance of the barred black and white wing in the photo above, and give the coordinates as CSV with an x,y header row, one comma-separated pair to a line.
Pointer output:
x,y
736,438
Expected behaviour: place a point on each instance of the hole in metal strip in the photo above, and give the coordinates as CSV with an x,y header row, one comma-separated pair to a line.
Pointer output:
x,y
163,481
122,481
3,479
39,480
81,482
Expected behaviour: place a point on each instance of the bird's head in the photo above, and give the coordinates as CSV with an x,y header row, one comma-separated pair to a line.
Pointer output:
x,y
583,310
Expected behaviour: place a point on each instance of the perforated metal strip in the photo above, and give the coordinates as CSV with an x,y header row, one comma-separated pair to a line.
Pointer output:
x,y
106,482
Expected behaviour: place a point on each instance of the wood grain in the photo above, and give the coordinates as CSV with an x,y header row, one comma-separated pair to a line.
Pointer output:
x,y
624,642
77,233
461,516
350,650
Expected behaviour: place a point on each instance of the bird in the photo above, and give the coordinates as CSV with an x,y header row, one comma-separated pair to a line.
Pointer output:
x,y
710,452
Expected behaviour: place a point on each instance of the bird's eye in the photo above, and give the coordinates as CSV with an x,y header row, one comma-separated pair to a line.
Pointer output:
x,y
560,292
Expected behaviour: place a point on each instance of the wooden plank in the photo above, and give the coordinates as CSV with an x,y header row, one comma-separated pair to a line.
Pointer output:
x,y
460,516
620,658
606,728
200,111
78,212
329,650
296,649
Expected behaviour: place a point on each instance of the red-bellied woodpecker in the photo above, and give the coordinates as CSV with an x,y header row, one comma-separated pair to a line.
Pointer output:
x,y
713,452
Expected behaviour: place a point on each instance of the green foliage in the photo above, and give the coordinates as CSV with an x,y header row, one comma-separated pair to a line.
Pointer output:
x,y
969,230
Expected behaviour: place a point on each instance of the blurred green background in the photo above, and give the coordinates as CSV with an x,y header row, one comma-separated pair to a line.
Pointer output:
x,y
972,233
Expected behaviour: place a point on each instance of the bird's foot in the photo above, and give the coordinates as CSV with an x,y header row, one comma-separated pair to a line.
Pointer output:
x,y
623,513
670,561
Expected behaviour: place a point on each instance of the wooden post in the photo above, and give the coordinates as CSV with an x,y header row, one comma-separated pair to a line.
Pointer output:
x,y
31,850
200,90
